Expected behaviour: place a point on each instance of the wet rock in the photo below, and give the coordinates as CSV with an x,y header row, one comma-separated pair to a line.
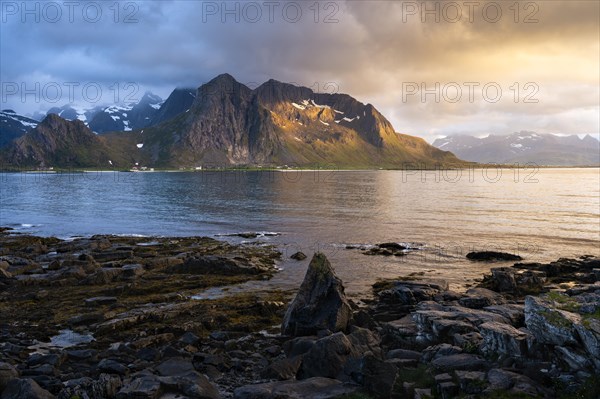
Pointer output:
x,y
174,366
5,274
106,386
153,340
82,354
512,383
412,292
42,369
479,298
189,338
469,342
228,266
298,256
379,251
162,262
104,275
393,246
363,319
447,389
133,270
148,354
503,339
86,319
462,361
492,256
107,256
204,361
338,355
25,388
436,351
513,312
299,346
14,261
283,369
315,388
53,359
328,357
589,333
112,367
378,377
224,335
423,393
190,384
7,373
501,379
143,387
548,324
403,354
320,302
531,281
471,382
574,360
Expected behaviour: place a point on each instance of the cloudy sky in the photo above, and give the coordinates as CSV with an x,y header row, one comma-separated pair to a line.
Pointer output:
x,y
434,68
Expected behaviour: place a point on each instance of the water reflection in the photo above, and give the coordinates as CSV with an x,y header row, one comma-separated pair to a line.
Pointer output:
x,y
557,216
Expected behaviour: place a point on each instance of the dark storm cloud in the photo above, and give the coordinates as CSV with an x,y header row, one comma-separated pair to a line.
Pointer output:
x,y
370,49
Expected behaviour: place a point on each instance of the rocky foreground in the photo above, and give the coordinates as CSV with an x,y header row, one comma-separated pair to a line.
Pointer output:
x,y
124,305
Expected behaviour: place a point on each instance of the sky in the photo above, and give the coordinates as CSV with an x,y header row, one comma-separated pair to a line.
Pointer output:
x,y
432,68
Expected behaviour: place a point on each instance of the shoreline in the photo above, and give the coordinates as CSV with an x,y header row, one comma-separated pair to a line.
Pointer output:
x,y
116,315
288,170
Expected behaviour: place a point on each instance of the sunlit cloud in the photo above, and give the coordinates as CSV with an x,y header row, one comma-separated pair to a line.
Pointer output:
x,y
371,50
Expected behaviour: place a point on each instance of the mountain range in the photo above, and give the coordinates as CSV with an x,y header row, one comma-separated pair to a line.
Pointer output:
x,y
225,123
525,147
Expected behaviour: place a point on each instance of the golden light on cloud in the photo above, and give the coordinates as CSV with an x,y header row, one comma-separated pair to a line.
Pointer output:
x,y
370,50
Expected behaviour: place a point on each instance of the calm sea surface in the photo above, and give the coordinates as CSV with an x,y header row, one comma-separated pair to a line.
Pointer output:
x,y
540,215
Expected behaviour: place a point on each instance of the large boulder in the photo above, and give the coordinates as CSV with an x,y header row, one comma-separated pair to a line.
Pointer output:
x,y
340,356
515,281
503,339
548,324
320,304
412,292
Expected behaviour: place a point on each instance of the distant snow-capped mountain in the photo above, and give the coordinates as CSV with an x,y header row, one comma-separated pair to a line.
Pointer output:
x,y
524,147
127,117
13,126
149,111
72,112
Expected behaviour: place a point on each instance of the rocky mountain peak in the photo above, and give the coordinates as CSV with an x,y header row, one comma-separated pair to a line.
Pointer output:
x,y
58,124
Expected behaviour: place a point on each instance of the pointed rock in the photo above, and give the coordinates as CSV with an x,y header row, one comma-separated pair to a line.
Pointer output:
x,y
320,303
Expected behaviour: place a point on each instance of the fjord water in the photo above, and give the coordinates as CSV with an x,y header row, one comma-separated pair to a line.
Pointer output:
x,y
541,215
